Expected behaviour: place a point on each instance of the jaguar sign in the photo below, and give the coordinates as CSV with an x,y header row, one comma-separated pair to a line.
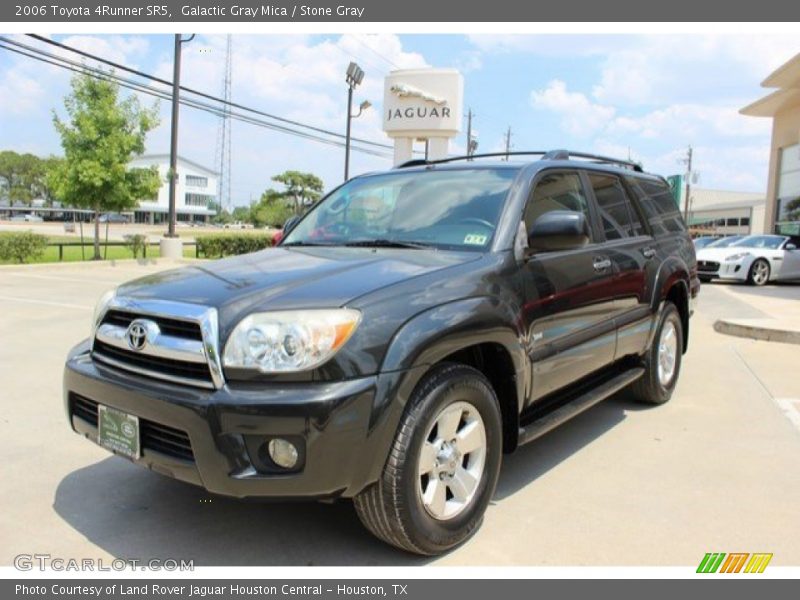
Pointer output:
x,y
422,104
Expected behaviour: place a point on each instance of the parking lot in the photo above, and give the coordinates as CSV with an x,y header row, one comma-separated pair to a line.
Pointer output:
x,y
716,469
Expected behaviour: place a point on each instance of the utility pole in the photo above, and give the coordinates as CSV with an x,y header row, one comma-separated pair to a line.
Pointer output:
x,y
469,132
688,161
173,146
508,141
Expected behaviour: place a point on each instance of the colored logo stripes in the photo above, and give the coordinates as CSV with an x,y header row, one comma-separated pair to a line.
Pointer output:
x,y
735,562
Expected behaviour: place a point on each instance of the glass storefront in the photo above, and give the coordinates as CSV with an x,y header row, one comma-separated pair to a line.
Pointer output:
x,y
787,210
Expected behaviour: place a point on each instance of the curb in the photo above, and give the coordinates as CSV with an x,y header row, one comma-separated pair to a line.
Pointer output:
x,y
740,328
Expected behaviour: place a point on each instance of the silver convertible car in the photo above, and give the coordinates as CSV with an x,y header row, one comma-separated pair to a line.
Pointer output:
x,y
756,259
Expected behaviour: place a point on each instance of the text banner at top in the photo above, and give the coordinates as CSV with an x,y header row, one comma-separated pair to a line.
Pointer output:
x,y
80,11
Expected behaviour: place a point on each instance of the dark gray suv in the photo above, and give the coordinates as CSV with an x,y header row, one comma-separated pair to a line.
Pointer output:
x,y
414,326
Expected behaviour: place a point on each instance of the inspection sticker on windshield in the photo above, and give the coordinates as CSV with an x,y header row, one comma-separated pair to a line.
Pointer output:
x,y
475,239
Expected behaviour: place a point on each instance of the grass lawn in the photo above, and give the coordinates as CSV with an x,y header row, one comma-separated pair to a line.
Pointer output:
x,y
74,254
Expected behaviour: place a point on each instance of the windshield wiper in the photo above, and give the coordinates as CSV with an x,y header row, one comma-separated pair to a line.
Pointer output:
x,y
385,243
302,243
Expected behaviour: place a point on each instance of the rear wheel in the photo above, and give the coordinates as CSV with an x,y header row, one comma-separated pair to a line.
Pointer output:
x,y
759,272
443,466
663,360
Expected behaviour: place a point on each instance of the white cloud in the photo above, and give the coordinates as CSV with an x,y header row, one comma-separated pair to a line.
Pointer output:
x,y
579,115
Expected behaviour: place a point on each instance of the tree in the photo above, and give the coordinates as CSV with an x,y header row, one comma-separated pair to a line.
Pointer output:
x,y
273,208
22,175
302,188
100,138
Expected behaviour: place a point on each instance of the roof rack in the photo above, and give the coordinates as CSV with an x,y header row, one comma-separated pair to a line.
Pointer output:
x,y
546,155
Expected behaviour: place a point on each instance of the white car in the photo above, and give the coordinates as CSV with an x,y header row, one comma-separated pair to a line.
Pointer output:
x,y
756,259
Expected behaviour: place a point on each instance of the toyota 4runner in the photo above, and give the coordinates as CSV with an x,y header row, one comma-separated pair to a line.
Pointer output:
x,y
409,330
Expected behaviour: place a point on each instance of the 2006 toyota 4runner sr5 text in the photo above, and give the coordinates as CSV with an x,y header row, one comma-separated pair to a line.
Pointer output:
x,y
411,328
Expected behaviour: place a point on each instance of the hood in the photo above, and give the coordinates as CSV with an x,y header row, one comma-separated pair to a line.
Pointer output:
x,y
279,278
720,254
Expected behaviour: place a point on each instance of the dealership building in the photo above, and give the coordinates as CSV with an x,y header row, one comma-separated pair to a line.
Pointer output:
x,y
724,212
195,191
783,107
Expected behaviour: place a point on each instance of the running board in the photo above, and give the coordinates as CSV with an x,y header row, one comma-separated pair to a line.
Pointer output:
x,y
553,419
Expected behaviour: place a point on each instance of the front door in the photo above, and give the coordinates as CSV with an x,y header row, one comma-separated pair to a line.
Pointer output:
x,y
568,311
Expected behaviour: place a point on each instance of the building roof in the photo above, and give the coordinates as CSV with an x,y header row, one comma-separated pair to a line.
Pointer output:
x,y
705,199
786,79
164,158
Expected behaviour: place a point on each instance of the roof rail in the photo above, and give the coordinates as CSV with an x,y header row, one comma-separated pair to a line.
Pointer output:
x,y
546,155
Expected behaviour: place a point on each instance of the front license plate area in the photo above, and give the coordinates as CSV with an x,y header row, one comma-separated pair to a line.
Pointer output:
x,y
118,431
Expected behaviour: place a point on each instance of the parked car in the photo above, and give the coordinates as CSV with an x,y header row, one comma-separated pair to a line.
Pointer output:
x,y
756,259
27,218
114,218
411,328
704,241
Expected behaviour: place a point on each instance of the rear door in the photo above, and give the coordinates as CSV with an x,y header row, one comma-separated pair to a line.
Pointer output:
x,y
569,307
632,253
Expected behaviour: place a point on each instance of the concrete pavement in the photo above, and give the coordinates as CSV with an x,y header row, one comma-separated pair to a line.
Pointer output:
x,y
715,469
778,305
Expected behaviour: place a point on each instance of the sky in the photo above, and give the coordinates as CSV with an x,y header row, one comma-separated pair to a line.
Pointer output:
x,y
647,97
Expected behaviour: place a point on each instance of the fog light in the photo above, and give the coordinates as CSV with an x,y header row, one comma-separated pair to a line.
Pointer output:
x,y
283,453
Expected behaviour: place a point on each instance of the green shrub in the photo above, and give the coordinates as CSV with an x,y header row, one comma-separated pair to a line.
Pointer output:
x,y
135,243
21,246
230,244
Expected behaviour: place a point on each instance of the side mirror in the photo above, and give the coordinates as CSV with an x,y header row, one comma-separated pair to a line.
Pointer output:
x,y
290,223
559,230
790,246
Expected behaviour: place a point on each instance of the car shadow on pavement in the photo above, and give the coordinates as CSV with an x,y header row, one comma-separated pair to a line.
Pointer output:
x,y
536,458
133,513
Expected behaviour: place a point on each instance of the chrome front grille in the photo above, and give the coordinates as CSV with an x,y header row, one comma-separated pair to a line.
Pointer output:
x,y
178,341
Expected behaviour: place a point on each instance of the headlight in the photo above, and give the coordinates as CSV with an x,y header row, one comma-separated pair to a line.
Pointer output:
x,y
735,257
291,340
100,309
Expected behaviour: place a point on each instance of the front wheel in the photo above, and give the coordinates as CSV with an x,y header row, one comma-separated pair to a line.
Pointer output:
x,y
443,466
662,362
759,272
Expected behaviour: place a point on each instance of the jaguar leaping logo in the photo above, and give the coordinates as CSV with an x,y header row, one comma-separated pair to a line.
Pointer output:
x,y
139,332
409,91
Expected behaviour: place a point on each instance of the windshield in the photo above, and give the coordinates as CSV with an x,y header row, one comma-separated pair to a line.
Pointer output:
x,y
772,242
703,242
725,242
456,209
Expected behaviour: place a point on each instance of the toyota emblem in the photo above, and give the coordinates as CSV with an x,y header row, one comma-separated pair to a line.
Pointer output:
x,y
138,334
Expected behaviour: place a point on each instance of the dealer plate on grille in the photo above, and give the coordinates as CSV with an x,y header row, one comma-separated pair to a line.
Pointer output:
x,y
118,431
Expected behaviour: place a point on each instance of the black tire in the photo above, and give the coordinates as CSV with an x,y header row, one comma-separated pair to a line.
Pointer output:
x,y
753,278
392,508
648,388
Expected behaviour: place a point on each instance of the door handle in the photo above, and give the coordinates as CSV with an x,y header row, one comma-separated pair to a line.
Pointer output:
x,y
601,264
648,252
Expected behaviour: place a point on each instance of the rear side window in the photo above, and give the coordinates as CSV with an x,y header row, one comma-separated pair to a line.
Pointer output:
x,y
659,205
556,191
618,217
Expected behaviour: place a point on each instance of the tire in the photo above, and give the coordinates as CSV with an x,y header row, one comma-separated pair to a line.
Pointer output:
x,y
759,272
393,508
657,384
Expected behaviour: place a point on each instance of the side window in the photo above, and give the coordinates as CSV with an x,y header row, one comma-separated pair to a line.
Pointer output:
x,y
618,217
659,206
556,191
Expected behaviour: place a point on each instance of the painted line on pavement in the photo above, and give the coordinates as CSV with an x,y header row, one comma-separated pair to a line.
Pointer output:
x,y
790,408
45,303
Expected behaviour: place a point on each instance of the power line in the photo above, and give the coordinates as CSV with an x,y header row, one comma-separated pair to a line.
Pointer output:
x,y
151,91
186,89
375,52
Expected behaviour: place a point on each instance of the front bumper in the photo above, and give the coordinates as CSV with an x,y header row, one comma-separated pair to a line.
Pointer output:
x,y
732,271
344,428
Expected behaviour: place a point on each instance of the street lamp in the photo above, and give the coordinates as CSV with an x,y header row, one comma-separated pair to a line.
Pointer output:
x,y
354,77
173,150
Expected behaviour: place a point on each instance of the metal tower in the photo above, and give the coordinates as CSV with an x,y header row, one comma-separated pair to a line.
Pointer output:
x,y
223,149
